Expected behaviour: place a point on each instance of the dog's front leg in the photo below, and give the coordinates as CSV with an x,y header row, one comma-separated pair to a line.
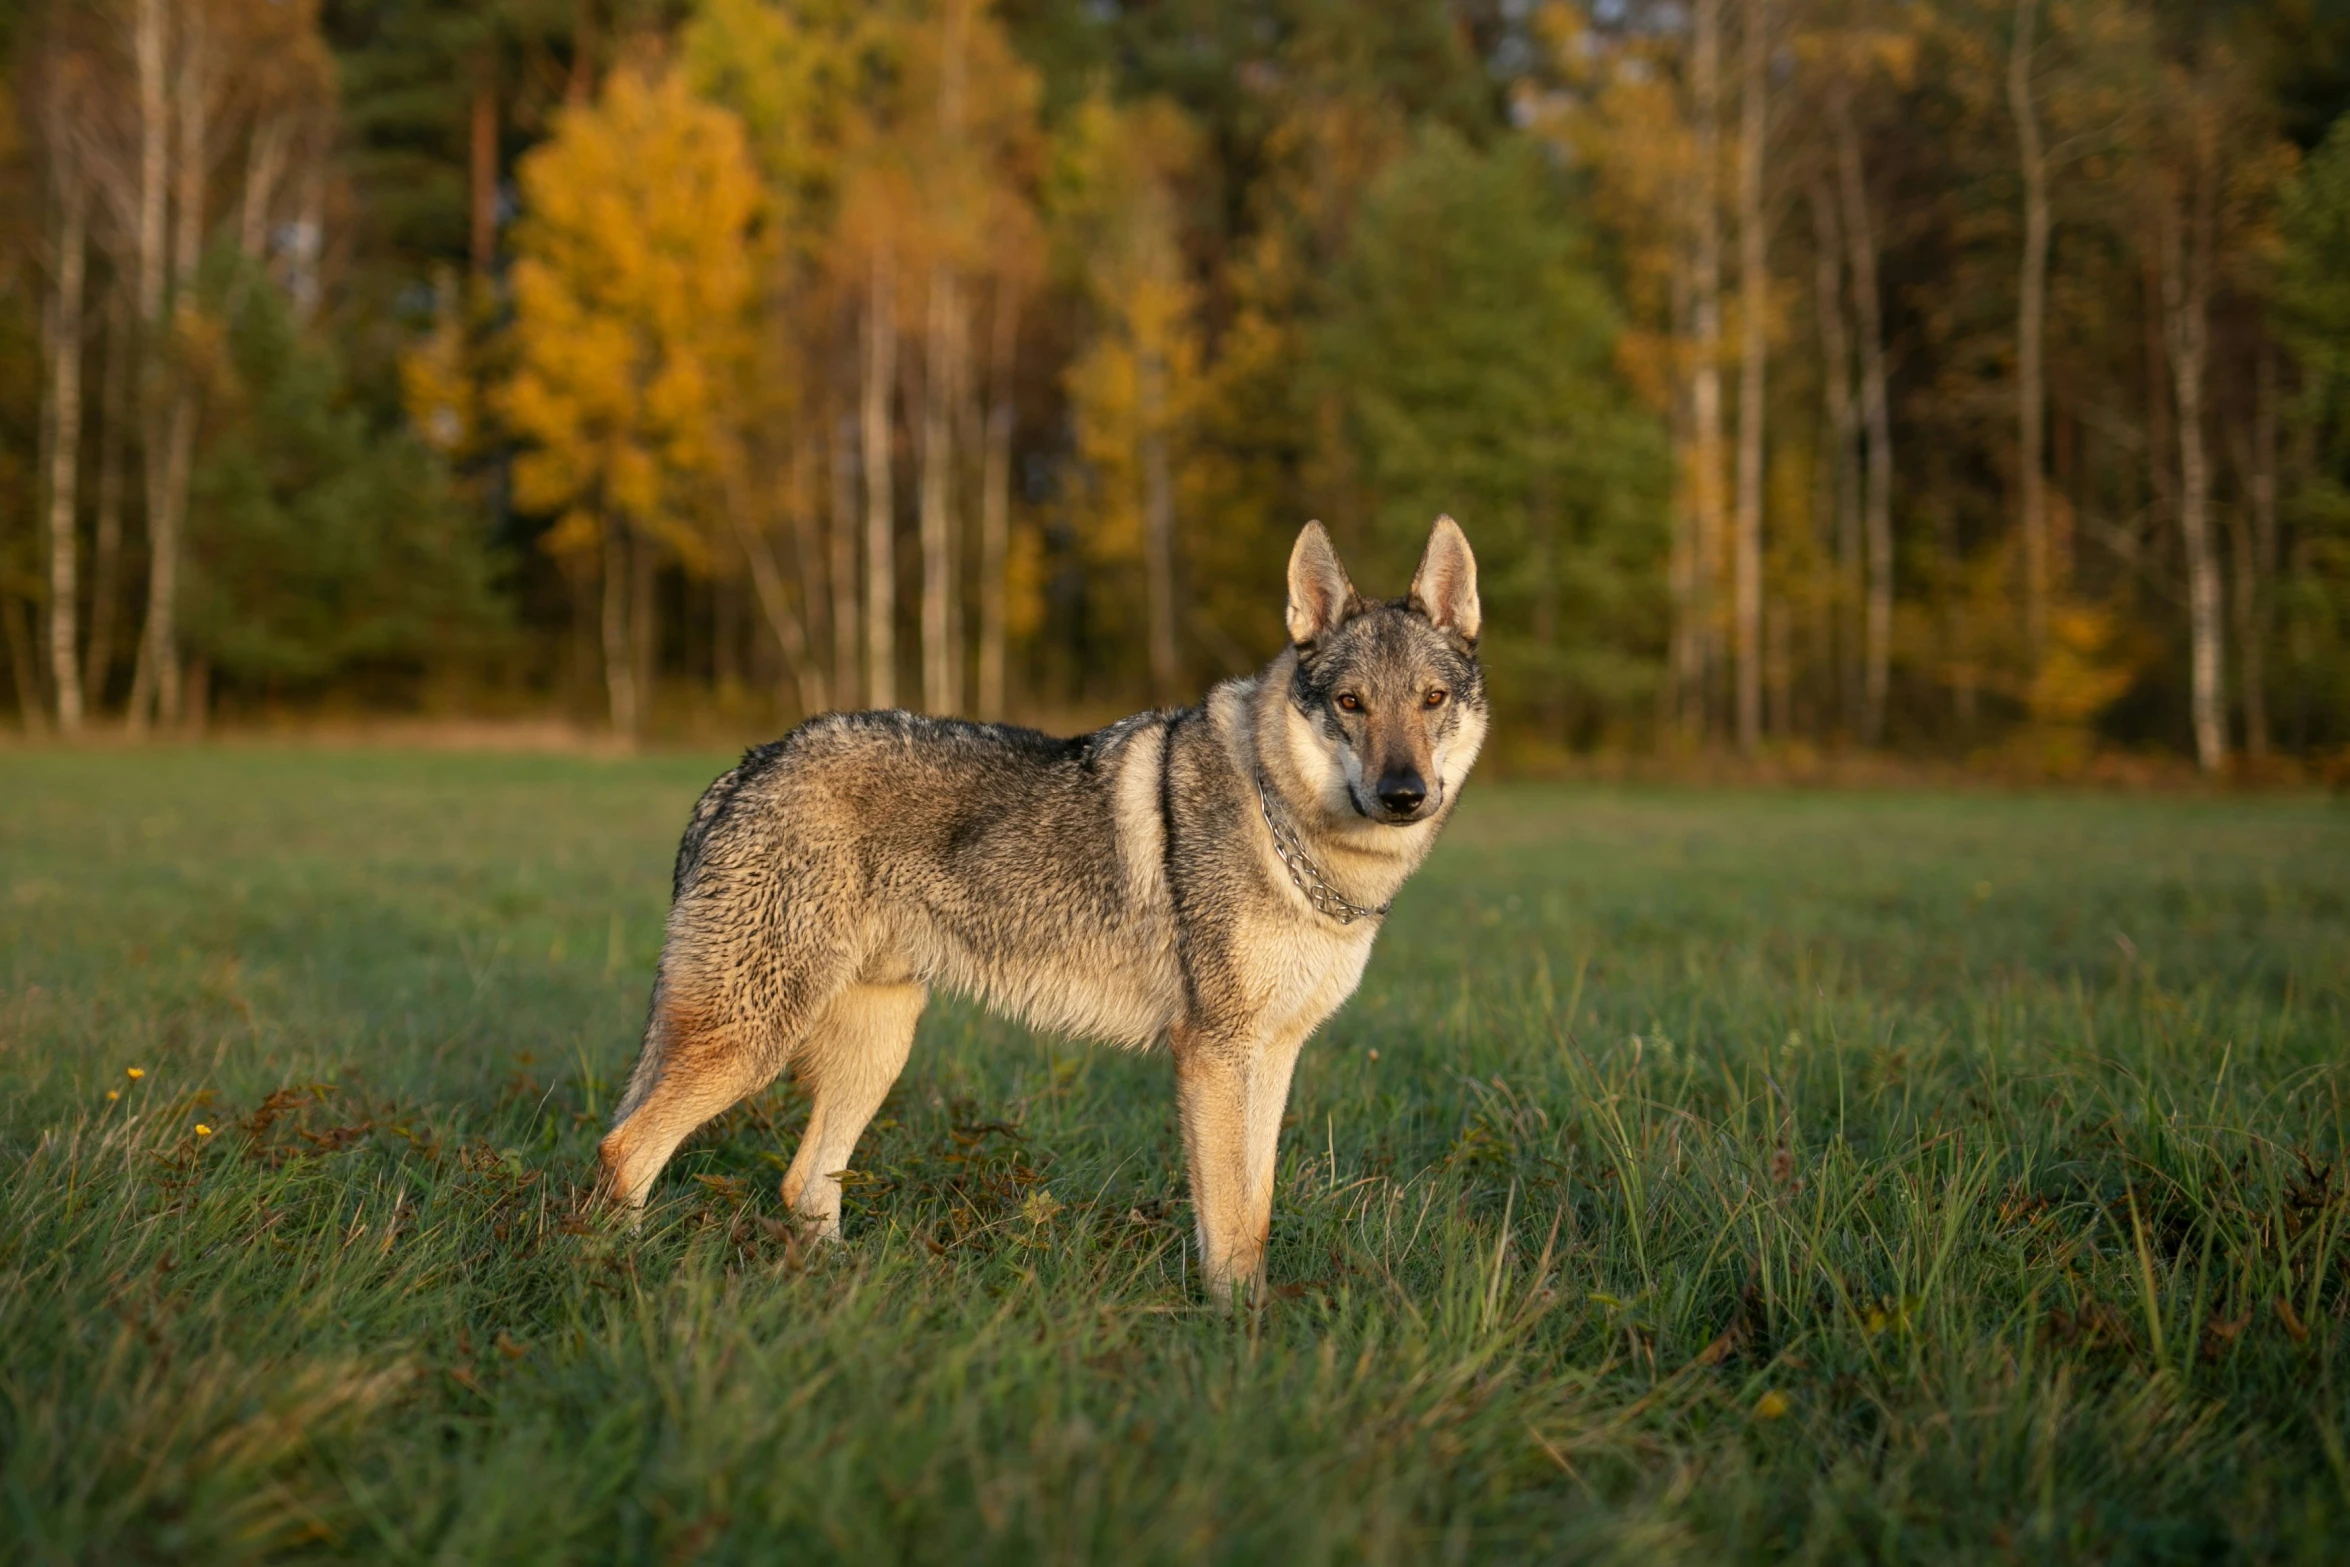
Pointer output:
x,y
1216,1077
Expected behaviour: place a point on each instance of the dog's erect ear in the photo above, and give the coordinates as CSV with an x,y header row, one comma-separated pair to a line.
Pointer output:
x,y
1445,587
1320,596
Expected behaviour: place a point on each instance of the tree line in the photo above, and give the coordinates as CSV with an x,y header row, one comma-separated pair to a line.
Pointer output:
x,y
1960,377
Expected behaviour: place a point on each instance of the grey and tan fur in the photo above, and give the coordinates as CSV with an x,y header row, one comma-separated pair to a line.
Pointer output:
x,y
1125,886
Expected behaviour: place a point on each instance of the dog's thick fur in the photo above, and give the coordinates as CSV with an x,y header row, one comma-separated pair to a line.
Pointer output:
x,y
1124,886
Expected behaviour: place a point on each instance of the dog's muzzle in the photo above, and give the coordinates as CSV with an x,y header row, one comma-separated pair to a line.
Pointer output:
x,y
1402,797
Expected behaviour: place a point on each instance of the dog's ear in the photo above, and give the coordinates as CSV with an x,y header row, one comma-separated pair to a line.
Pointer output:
x,y
1444,589
1320,596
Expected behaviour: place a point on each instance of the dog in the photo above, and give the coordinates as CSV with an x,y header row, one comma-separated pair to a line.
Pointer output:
x,y
1213,876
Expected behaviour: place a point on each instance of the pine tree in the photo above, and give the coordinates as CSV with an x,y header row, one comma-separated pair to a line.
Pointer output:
x,y
1472,346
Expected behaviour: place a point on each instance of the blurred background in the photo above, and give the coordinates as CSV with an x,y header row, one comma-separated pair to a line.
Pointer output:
x,y
1957,381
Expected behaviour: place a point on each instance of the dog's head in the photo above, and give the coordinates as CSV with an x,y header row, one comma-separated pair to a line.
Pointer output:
x,y
1389,691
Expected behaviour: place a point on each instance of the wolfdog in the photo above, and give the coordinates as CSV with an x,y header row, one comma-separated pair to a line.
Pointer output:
x,y
1212,876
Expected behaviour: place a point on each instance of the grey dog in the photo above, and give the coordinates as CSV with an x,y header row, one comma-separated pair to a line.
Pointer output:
x,y
1212,876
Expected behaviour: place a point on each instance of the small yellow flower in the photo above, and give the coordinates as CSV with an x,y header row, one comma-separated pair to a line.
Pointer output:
x,y
205,1131
1771,1405
134,1073
114,1093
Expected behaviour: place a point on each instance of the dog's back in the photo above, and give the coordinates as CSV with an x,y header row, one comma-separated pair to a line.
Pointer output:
x,y
988,859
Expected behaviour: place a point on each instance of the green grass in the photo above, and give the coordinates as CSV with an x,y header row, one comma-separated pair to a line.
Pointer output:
x,y
1696,1177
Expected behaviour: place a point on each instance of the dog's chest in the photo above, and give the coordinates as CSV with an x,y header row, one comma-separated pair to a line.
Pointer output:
x,y
1305,971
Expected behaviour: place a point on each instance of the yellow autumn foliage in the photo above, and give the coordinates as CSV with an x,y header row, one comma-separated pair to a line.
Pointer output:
x,y
1136,379
2085,670
633,285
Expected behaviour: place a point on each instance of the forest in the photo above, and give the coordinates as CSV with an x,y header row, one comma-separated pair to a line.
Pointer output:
x,y
1963,379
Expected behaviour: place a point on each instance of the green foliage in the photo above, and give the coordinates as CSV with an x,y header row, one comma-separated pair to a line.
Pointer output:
x,y
2313,292
1472,343
2313,297
321,547
408,75
1683,1186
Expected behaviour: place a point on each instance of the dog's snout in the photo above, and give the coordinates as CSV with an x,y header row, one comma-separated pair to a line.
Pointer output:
x,y
1402,792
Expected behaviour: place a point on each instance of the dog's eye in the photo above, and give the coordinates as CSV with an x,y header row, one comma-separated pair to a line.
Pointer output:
x,y
1349,701
1435,699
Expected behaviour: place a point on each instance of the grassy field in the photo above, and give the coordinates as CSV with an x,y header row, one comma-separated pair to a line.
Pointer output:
x,y
1697,1177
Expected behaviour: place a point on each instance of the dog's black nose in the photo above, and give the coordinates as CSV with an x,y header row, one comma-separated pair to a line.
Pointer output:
x,y
1402,792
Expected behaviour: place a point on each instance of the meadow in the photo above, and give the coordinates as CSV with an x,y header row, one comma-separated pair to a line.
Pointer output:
x,y
1698,1176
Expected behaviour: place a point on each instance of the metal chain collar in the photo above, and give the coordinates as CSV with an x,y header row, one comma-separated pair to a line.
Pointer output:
x,y
1310,881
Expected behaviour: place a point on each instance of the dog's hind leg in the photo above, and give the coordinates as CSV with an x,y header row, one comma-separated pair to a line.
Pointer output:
x,y
720,1031
852,1053
694,1066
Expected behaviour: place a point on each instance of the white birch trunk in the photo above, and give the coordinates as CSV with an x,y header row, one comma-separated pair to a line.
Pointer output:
x,y
150,45
2186,298
65,442
842,568
1706,376
881,576
172,433
1674,703
939,375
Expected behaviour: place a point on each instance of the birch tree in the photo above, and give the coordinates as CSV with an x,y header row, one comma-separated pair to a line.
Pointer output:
x,y
812,83
947,200
1706,367
876,460
71,189
2185,219
2210,171
158,638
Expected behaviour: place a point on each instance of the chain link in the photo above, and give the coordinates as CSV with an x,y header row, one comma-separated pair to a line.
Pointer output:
x,y
1310,881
